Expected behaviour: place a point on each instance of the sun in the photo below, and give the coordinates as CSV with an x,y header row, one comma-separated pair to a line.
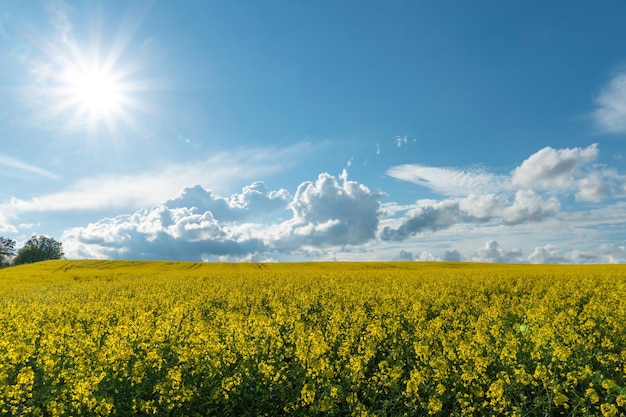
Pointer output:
x,y
91,80
96,93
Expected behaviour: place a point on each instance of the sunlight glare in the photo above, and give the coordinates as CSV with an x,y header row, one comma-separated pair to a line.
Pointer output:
x,y
96,92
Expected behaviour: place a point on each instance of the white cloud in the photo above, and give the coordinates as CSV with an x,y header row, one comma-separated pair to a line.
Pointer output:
x,y
426,218
484,206
157,233
5,226
493,252
433,216
405,256
199,224
327,213
610,114
427,256
401,140
219,172
336,218
254,201
16,168
612,253
547,255
451,256
601,184
448,181
606,253
530,207
613,215
553,168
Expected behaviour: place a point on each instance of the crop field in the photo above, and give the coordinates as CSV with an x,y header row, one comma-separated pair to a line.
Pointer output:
x,y
361,339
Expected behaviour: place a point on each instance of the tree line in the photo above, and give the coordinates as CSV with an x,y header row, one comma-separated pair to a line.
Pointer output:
x,y
36,249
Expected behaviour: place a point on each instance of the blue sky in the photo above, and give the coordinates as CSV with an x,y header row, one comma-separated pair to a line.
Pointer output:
x,y
300,131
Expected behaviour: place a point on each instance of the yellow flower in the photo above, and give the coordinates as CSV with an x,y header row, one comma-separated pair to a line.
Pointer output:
x,y
592,395
496,390
26,376
560,399
434,405
307,394
608,410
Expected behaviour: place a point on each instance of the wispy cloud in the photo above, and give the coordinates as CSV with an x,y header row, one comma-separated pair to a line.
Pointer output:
x,y
610,113
448,181
400,140
219,172
16,168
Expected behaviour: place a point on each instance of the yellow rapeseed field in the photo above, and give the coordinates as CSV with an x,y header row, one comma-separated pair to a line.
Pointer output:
x,y
361,339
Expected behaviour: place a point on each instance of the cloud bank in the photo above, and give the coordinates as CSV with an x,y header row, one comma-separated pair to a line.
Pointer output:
x,y
333,217
199,225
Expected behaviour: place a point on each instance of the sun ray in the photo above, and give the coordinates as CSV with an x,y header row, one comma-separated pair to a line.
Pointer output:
x,y
88,77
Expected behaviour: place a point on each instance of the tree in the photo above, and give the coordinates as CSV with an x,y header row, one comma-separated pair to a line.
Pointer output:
x,y
7,250
38,249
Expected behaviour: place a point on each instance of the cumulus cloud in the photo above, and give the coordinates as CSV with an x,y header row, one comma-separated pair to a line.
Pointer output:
x,y
593,188
333,217
493,252
253,201
484,206
405,256
158,233
195,225
199,224
426,218
5,226
612,254
548,170
528,206
452,256
547,254
610,114
432,216
553,168
530,194
328,212
601,184
428,256
605,253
